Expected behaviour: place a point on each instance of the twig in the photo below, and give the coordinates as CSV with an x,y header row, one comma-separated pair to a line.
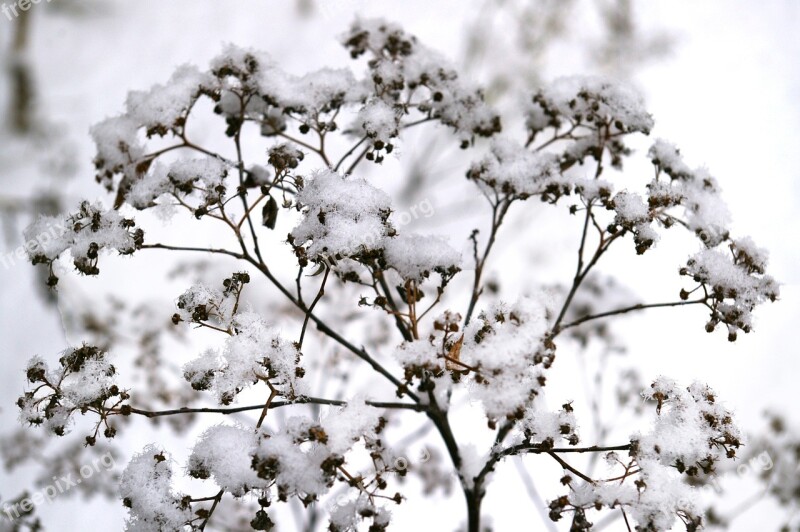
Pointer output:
x,y
320,293
275,404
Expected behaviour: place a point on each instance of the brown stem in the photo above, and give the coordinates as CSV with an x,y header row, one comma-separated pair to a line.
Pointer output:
x,y
274,404
320,293
625,310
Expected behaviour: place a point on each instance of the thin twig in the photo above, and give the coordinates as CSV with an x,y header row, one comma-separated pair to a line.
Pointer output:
x,y
275,404
320,293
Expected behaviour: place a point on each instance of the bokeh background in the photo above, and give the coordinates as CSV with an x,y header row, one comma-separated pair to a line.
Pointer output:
x,y
721,77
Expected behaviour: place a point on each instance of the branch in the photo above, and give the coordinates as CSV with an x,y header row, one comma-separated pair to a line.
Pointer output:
x,y
349,153
625,310
321,325
499,211
569,468
216,251
272,405
534,448
320,293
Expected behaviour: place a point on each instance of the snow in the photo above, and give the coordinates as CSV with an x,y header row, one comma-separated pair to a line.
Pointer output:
x,y
225,452
698,192
415,256
344,426
255,352
633,214
163,107
84,234
503,344
342,216
667,156
146,489
118,148
84,379
630,209
379,121
309,470
419,354
203,303
590,99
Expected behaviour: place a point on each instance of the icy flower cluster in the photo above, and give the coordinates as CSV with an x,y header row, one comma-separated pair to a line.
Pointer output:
x,y
201,303
304,457
253,352
692,432
427,360
146,490
85,234
404,74
224,453
695,190
632,214
691,435
508,353
596,113
504,351
735,282
205,176
512,170
83,381
348,218
344,217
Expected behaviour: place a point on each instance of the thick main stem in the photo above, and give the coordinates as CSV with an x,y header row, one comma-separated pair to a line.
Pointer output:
x,y
474,498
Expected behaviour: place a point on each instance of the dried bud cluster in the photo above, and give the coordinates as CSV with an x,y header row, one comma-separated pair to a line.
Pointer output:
x,y
734,283
346,222
406,75
84,234
691,435
256,352
83,382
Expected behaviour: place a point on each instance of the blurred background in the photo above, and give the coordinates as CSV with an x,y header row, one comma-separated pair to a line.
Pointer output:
x,y
721,77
